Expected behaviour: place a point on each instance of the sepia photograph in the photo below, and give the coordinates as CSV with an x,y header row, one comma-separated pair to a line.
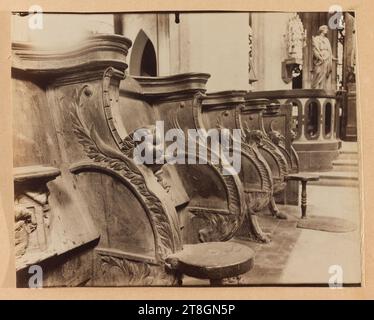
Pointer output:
x,y
186,149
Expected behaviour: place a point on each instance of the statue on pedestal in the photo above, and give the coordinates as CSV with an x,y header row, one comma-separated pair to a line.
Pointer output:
x,y
322,59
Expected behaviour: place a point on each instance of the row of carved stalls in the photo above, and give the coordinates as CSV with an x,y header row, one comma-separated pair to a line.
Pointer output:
x,y
85,211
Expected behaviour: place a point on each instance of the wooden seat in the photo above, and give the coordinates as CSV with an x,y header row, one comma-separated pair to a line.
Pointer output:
x,y
304,177
212,260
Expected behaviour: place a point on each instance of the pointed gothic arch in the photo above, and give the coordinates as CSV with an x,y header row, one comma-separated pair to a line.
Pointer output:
x,y
143,61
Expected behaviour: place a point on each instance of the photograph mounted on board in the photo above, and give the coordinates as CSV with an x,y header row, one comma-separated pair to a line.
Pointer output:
x,y
185,149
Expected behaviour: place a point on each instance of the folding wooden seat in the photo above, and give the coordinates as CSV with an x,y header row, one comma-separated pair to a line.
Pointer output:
x,y
104,210
276,121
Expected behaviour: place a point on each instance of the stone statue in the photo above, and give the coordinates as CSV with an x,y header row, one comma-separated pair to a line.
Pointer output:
x,y
322,59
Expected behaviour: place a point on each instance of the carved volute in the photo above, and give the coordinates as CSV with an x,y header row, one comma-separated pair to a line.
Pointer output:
x,y
221,110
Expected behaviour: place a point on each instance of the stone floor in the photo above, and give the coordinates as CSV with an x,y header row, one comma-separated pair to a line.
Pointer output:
x,y
301,256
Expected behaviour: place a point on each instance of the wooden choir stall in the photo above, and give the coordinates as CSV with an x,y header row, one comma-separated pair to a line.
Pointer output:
x,y
90,215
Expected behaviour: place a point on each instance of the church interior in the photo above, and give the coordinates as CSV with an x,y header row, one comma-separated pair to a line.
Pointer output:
x,y
89,215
